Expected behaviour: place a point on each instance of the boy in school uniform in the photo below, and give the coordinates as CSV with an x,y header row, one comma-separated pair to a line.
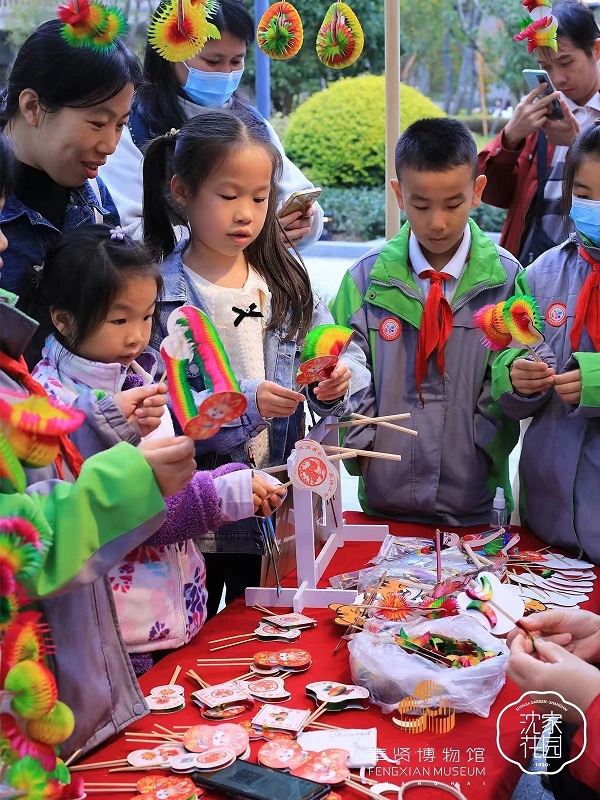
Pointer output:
x,y
411,305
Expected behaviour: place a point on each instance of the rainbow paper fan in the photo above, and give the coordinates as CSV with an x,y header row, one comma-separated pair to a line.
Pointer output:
x,y
490,321
192,337
33,688
340,39
33,427
180,28
23,641
29,777
91,24
280,34
10,605
523,320
10,466
54,727
541,29
321,350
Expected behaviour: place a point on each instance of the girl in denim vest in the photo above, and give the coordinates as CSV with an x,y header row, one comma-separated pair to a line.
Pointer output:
x,y
236,267
64,109
101,289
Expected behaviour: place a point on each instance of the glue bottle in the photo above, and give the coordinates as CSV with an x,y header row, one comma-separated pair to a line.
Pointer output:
x,y
499,517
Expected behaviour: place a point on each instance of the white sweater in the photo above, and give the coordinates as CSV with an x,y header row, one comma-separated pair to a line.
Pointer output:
x,y
122,174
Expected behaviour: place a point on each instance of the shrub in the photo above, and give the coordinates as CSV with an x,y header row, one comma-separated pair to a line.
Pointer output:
x,y
337,137
489,218
357,213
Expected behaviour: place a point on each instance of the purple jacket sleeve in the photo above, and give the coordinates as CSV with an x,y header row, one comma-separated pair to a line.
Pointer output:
x,y
195,510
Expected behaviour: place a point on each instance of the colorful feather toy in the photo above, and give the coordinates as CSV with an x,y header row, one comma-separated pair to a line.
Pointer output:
x,y
540,30
340,39
280,34
321,350
91,24
180,28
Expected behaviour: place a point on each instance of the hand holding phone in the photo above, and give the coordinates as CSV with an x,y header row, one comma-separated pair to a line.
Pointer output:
x,y
531,113
535,78
299,201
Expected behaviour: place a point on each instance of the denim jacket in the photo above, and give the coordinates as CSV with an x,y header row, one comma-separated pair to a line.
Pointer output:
x,y
30,235
282,360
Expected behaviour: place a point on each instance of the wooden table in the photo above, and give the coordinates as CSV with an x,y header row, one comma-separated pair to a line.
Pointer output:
x,y
468,755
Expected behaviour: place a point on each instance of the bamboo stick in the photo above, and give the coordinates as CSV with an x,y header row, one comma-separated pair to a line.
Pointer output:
x,y
229,638
376,421
99,765
175,674
386,418
72,757
366,453
232,644
197,678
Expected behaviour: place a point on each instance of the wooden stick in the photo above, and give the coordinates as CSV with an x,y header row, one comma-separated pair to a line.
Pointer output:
x,y
99,764
139,769
438,555
317,713
96,784
229,638
105,790
72,757
222,661
375,421
387,418
325,726
232,644
273,470
264,610
166,730
516,622
197,678
366,453
175,674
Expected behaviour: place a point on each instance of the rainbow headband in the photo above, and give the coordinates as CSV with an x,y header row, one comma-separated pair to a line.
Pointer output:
x,y
540,30
193,339
321,350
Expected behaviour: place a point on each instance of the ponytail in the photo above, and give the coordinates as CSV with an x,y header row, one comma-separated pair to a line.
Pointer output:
x,y
160,211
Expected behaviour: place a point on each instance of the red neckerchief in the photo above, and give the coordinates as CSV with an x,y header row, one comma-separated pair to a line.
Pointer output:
x,y
587,310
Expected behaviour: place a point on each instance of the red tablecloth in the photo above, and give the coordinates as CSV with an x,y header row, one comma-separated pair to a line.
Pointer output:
x,y
468,755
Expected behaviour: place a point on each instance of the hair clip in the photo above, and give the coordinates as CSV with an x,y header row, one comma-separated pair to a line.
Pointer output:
x,y
172,133
117,233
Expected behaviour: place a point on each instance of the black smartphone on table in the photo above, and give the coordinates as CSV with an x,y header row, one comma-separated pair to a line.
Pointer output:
x,y
253,782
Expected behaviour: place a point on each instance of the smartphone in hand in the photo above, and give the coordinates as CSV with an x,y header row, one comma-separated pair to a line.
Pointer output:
x,y
534,78
299,201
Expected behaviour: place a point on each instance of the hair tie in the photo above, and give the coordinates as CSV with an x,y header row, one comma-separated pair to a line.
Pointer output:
x,y
172,133
117,233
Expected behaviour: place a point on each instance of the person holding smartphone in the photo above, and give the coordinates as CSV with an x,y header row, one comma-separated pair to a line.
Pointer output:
x,y
524,163
173,93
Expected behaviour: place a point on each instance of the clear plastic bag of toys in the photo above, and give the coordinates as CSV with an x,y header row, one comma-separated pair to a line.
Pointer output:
x,y
391,674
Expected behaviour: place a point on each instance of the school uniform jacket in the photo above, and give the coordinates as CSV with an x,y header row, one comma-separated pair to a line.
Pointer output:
x,y
448,472
94,523
560,459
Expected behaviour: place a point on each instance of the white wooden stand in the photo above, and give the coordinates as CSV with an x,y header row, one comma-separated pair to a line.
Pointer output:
x,y
309,566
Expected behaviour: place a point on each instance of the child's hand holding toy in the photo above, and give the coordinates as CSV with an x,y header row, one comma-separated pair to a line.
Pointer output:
x,y
336,385
530,377
143,407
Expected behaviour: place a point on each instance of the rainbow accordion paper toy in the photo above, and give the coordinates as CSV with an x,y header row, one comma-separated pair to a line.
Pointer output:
x,y
321,350
541,29
515,322
279,34
34,720
192,338
340,39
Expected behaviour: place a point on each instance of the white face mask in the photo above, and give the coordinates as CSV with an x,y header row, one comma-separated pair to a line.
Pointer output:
x,y
211,88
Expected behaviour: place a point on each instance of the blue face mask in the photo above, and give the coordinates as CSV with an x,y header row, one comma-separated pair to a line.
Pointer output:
x,y
586,216
211,88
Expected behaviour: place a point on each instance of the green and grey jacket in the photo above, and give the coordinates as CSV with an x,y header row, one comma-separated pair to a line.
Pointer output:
x,y
448,472
560,459
93,523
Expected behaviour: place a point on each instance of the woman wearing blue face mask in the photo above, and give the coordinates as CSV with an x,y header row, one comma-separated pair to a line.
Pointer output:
x,y
560,459
172,93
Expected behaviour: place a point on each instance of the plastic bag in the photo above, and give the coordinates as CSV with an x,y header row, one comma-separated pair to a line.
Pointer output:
x,y
390,673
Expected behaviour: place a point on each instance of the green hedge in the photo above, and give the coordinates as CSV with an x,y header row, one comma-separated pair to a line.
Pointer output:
x,y
358,214
337,137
